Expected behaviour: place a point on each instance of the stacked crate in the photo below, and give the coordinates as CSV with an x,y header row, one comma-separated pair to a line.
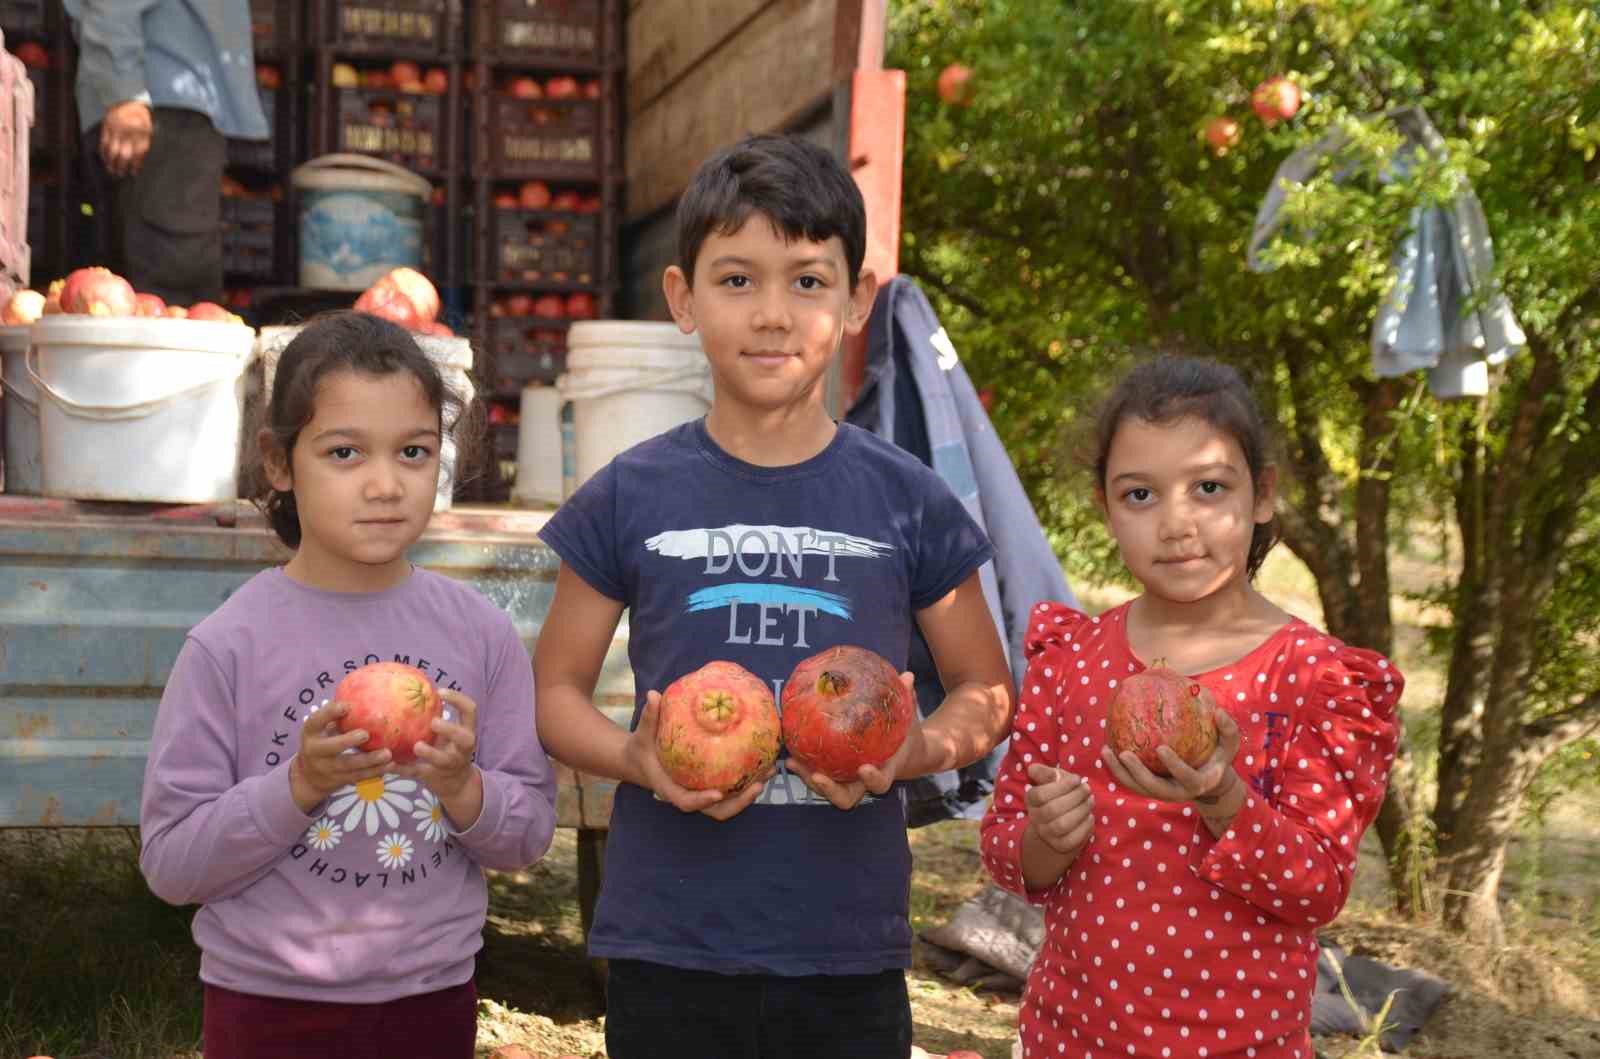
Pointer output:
x,y
257,225
545,190
385,81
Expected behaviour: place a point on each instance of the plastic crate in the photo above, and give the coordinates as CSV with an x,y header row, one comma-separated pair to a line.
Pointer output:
x,y
22,15
540,139
399,127
249,237
16,117
540,31
523,349
259,154
416,28
540,246
273,31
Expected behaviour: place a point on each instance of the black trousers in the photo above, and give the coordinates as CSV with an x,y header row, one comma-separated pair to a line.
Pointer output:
x,y
659,1012
162,227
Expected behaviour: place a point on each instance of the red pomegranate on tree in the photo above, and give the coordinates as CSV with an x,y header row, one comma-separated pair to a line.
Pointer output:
x,y
717,728
843,708
1222,133
955,85
395,704
1162,707
1276,99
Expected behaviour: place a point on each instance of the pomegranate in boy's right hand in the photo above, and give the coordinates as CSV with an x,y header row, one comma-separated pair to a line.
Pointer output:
x,y
844,708
717,728
395,704
1162,707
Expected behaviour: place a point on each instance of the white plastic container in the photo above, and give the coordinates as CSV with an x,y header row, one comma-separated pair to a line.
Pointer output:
x,y
538,447
629,381
359,218
21,412
139,409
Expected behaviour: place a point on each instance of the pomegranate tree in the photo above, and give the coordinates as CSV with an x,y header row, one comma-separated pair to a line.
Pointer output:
x,y
1162,707
717,729
395,704
843,708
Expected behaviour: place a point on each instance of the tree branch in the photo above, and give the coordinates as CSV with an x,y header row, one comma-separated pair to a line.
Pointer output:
x,y
1552,733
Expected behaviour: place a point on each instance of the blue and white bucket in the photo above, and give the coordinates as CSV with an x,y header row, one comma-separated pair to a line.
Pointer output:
x,y
360,217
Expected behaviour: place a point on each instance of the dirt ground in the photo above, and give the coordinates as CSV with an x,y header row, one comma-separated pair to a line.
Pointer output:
x,y
1538,998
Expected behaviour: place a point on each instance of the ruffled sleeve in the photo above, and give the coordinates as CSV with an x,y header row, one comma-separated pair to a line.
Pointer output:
x,y
1036,736
1294,858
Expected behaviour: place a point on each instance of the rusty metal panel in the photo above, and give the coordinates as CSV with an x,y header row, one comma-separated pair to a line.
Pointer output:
x,y
95,601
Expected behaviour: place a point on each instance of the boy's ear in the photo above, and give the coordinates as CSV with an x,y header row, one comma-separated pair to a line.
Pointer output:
x,y
859,311
1266,494
274,462
680,298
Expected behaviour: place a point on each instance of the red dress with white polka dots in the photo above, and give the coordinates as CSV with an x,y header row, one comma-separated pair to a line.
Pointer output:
x,y
1161,940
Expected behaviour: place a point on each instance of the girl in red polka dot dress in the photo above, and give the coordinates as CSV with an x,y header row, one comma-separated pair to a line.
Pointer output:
x,y
1181,912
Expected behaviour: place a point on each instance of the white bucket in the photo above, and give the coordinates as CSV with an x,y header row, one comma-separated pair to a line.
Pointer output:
x,y
453,355
629,381
359,218
139,409
539,447
21,413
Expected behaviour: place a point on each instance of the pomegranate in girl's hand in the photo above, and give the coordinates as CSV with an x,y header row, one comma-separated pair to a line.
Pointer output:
x,y
395,704
25,307
1162,707
97,291
717,729
844,708
149,305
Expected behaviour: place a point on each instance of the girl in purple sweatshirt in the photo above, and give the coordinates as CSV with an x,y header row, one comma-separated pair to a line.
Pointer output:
x,y
342,894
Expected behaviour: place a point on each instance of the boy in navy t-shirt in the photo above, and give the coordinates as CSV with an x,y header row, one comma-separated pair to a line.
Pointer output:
x,y
772,922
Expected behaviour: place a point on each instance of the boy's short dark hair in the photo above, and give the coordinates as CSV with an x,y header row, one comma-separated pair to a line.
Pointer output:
x,y
802,187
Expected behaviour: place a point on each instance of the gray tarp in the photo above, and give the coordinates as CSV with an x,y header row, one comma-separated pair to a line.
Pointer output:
x,y
1445,314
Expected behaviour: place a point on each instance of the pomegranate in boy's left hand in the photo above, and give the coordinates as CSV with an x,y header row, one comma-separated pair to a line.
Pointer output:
x,y
1162,707
395,704
843,708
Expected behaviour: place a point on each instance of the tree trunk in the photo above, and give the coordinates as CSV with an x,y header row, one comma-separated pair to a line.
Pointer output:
x,y
1473,858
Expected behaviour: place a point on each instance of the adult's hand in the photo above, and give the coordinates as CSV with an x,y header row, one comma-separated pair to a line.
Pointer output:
x,y
125,134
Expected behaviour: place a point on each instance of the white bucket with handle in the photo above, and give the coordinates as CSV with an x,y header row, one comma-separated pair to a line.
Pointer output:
x,y
21,412
132,408
628,381
538,447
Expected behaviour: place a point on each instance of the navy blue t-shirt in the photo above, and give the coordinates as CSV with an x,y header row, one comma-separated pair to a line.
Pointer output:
x,y
716,558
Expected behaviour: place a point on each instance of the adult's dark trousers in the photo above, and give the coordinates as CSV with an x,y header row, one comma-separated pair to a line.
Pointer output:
x,y
659,1012
163,225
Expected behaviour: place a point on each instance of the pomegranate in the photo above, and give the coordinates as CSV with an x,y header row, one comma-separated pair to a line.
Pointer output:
x,y
25,307
417,288
52,297
176,312
149,305
212,311
389,303
955,85
395,704
97,291
1222,133
718,728
844,708
1162,707
1276,99
580,305
534,195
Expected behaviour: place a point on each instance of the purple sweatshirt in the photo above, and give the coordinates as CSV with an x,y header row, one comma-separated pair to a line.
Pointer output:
x,y
375,895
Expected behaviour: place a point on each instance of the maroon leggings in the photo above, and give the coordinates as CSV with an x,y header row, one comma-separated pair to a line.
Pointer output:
x,y
440,1025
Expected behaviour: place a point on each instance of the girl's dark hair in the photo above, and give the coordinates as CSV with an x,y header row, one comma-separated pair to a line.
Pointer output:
x,y
347,341
1169,388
